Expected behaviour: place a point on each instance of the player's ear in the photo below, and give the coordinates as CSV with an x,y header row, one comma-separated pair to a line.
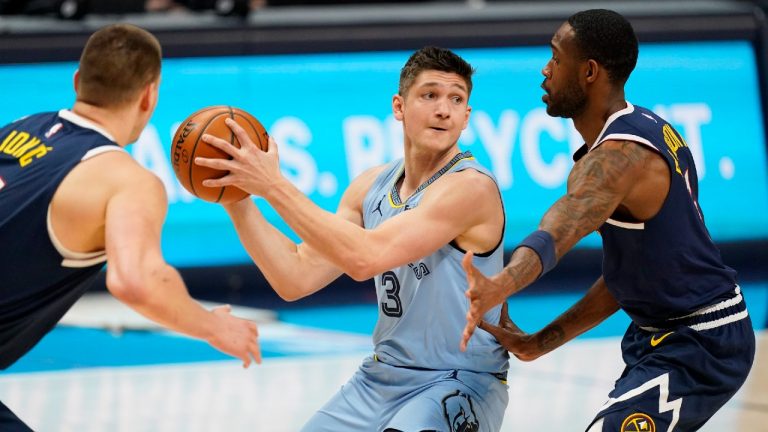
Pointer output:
x,y
149,96
397,106
76,79
592,70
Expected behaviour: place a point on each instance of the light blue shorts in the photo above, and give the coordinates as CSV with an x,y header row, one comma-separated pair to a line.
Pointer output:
x,y
380,397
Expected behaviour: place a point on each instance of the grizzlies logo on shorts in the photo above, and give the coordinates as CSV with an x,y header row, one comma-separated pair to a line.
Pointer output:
x,y
459,413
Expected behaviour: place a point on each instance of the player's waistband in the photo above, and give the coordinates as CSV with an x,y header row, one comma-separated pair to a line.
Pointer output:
x,y
709,317
501,376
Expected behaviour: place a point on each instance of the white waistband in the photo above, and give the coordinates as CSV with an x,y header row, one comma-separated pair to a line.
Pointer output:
x,y
710,309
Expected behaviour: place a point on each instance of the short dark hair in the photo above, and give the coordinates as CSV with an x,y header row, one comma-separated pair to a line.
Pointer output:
x,y
608,38
117,62
434,58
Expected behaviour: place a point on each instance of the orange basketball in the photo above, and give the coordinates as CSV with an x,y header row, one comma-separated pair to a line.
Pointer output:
x,y
187,145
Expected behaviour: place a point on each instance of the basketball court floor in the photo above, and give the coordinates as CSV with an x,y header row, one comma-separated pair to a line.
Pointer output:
x,y
106,369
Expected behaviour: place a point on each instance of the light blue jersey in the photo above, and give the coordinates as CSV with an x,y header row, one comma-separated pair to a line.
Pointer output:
x,y
418,380
422,305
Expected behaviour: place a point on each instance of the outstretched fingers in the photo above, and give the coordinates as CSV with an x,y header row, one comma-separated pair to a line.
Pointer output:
x,y
474,314
506,322
466,262
469,330
254,348
496,331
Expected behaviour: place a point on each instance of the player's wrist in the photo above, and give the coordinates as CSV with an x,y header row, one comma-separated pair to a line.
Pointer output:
x,y
237,206
279,189
506,281
543,244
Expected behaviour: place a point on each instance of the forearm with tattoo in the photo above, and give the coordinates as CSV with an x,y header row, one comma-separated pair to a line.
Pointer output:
x,y
550,338
596,186
523,268
596,305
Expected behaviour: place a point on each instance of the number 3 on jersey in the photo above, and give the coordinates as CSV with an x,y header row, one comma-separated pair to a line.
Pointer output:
x,y
392,306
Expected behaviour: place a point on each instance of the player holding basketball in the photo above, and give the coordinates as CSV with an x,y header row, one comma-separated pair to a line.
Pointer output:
x,y
71,197
690,345
405,225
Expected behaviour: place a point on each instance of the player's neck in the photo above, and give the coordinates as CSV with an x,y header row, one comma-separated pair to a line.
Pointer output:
x,y
114,121
592,120
420,165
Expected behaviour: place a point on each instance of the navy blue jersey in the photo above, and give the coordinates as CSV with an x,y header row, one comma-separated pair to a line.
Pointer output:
x,y
668,266
41,279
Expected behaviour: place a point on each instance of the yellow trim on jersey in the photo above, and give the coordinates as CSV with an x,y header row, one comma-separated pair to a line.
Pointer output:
x,y
400,173
392,202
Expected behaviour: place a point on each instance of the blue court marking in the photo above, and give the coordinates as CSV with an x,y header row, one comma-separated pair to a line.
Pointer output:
x,y
74,348
359,319
529,312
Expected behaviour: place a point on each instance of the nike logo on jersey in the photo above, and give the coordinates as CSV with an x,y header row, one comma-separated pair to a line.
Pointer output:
x,y
650,117
655,341
52,131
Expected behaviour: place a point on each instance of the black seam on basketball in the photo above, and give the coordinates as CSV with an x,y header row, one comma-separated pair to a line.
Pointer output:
x,y
194,150
232,142
197,113
256,129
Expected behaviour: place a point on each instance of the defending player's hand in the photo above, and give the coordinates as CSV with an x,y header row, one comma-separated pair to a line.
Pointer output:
x,y
250,168
510,336
236,336
483,294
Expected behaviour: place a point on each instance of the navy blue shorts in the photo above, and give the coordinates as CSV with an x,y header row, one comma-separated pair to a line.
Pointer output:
x,y
677,377
9,422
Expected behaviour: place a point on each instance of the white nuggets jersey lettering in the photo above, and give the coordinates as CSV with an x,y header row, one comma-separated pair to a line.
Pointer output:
x,y
422,305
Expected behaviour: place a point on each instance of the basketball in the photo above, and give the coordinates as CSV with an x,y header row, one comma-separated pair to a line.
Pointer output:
x,y
188,144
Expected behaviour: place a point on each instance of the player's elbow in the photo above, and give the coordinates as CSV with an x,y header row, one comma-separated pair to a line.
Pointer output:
x,y
361,272
293,290
290,295
363,259
361,276
126,286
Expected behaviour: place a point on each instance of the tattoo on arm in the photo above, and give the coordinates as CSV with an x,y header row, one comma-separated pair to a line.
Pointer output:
x,y
596,186
551,337
523,269
593,308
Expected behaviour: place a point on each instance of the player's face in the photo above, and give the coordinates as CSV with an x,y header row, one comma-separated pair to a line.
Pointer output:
x,y
564,95
435,109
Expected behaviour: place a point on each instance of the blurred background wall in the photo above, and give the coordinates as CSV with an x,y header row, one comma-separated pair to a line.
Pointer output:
x,y
320,76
